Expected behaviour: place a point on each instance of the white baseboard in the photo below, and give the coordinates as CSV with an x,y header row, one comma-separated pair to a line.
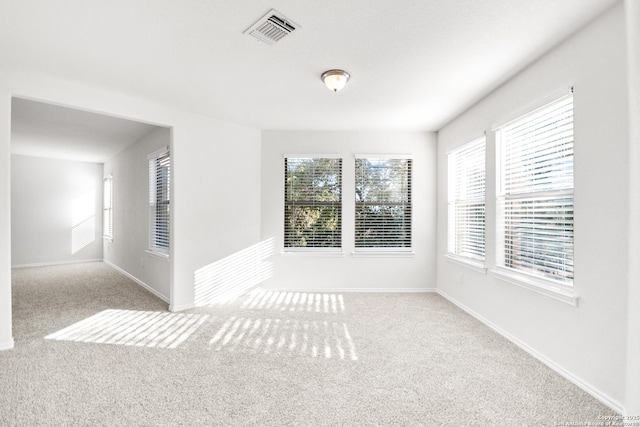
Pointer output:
x,y
176,308
602,397
6,345
138,281
48,264
356,290
328,290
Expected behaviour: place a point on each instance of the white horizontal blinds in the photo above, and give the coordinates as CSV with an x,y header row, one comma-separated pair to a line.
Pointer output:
x,y
466,205
535,194
538,148
107,208
383,203
159,200
313,203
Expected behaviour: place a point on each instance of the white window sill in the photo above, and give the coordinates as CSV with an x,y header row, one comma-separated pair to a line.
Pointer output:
x,y
158,255
107,239
313,253
547,288
467,262
383,254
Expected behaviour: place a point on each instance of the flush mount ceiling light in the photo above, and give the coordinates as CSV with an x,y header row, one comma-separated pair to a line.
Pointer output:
x,y
335,79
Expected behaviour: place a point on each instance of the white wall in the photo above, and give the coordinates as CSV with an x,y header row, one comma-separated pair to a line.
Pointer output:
x,y
6,337
633,334
128,248
216,187
585,343
209,221
56,211
345,272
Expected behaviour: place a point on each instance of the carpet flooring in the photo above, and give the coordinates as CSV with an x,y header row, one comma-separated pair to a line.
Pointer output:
x,y
92,348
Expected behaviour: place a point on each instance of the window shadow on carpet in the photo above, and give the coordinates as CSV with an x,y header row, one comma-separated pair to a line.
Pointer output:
x,y
286,337
133,328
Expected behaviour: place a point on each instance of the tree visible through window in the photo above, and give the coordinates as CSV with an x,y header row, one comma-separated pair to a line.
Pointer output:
x,y
313,203
383,203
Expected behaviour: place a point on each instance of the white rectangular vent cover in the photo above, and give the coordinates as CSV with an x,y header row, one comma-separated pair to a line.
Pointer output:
x,y
271,28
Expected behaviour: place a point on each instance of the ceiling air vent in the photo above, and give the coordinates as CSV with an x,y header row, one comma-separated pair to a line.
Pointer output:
x,y
271,28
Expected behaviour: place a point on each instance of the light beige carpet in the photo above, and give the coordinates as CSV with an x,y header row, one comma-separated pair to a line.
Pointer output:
x,y
93,348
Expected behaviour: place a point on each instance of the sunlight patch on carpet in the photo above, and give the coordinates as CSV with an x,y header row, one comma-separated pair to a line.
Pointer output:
x,y
262,299
134,328
286,337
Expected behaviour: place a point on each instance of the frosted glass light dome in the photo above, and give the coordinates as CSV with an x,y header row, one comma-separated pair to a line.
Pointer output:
x,y
335,80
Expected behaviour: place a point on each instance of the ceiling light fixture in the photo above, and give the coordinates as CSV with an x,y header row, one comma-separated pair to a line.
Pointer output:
x,y
335,79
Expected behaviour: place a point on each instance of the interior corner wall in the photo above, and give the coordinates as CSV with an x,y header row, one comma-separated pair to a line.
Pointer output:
x,y
344,272
127,250
56,211
586,343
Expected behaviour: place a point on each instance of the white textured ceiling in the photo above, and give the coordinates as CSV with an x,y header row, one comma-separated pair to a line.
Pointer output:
x,y
51,131
415,64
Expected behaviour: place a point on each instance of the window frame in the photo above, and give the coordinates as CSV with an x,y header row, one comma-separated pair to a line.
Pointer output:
x,y
560,289
366,251
107,208
316,250
161,249
466,151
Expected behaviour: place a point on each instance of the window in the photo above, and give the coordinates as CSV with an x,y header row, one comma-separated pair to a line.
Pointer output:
x,y
466,201
107,208
159,200
383,203
313,203
535,193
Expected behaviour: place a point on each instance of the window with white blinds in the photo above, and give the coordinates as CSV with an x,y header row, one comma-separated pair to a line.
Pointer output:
x,y
107,208
466,200
535,193
159,200
383,203
313,203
